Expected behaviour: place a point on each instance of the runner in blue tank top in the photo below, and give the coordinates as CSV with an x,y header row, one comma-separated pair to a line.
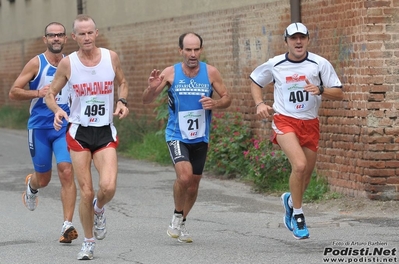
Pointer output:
x,y
190,87
188,121
43,139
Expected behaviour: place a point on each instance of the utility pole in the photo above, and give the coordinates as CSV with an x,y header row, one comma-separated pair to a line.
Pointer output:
x,y
295,10
80,7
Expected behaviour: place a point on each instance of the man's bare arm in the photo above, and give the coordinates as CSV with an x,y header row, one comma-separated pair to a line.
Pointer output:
x,y
28,73
156,83
218,85
121,110
60,80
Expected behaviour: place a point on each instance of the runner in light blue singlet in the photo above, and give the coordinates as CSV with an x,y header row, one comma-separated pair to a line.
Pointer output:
x,y
190,85
188,121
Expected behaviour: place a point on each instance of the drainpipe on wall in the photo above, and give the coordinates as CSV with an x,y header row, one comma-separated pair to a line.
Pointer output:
x,y
295,6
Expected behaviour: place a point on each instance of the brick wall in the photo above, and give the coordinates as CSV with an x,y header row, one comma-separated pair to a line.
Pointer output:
x,y
358,143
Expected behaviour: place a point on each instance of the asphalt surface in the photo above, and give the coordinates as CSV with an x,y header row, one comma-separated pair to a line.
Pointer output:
x,y
229,223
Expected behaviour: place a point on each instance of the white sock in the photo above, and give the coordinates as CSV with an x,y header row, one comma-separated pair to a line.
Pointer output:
x,y
67,223
89,239
96,209
298,211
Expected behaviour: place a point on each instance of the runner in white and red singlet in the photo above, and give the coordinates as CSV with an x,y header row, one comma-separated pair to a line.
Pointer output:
x,y
301,79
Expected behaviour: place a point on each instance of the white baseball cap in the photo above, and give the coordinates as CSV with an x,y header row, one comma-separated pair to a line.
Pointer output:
x,y
296,28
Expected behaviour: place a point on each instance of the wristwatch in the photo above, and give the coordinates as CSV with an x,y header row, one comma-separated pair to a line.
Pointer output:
x,y
123,100
321,89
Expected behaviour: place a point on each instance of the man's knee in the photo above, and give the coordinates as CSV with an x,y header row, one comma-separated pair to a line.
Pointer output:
x,y
43,179
108,188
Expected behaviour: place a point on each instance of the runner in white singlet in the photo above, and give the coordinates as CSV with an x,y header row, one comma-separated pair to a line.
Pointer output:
x,y
90,74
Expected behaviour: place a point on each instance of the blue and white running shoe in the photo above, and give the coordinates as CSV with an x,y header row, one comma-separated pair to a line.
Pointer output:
x,y
288,210
300,231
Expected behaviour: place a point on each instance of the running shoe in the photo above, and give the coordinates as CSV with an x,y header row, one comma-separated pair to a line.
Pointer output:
x,y
184,234
300,231
174,226
68,233
86,252
29,199
100,227
288,210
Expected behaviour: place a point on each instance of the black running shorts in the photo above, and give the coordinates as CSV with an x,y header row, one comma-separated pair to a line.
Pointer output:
x,y
195,153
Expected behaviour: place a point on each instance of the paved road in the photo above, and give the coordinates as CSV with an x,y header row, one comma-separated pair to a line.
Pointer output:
x,y
229,223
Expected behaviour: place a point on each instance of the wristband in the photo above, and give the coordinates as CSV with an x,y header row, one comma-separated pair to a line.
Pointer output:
x,y
256,106
123,101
